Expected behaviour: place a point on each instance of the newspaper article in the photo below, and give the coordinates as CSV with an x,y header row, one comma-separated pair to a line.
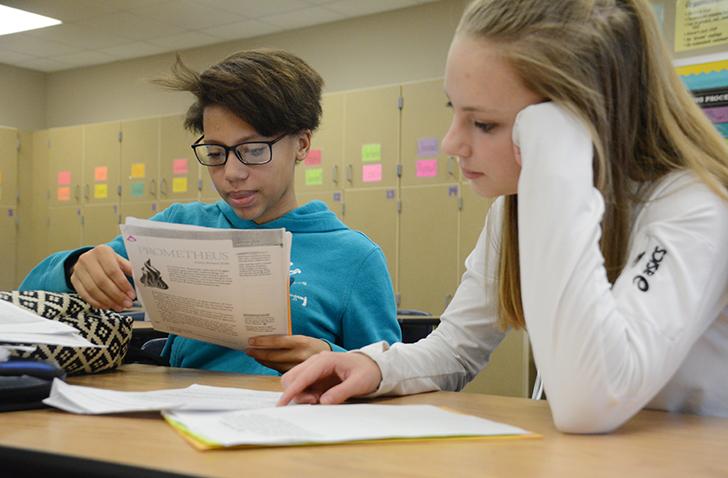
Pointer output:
x,y
217,285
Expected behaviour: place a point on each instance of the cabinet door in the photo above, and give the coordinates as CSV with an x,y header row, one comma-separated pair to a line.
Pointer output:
x,y
65,158
425,121
140,210
8,166
428,247
100,223
333,199
371,138
473,210
374,212
208,193
41,195
178,170
64,228
321,170
26,231
139,160
101,163
508,372
8,238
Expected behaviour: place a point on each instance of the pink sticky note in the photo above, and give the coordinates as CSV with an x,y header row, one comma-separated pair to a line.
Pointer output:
x,y
313,158
101,173
64,194
371,173
64,178
179,166
426,168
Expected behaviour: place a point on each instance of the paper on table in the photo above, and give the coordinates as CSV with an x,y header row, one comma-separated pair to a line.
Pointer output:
x,y
19,325
318,424
88,400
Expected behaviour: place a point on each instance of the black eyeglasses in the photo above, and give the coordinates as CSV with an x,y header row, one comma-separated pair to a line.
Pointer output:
x,y
252,153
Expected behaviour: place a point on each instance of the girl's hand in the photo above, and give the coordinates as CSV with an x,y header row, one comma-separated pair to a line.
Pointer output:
x,y
100,278
283,352
330,377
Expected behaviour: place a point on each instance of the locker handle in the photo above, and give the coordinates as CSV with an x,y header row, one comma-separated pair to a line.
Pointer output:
x,y
349,173
335,174
451,165
77,194
153,187
86,192
163,187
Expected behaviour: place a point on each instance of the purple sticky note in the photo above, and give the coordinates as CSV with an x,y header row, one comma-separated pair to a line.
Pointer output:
x,y
427,147
337,197
452,191
426,168
371,173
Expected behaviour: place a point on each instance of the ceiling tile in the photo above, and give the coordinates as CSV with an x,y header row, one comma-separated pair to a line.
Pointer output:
x,y
353,8
246,29
303,18
188,15
83,58
65,10
78,36
185,40
25,43
43,64
12,58
133,27
133,50
255,8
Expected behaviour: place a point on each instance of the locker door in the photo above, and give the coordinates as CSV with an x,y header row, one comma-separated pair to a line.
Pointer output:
x,y
64,228
472,220
374,212
428,247
100,223
208,193
65,157
333,199
321,170
178,171
425,120
371,138
101,163
508,372
139,161
41,173
8,238
25,232
8,166
141,210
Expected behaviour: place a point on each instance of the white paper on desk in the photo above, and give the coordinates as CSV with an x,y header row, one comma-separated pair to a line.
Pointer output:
x,y
19,325
221,286
309,424
94,401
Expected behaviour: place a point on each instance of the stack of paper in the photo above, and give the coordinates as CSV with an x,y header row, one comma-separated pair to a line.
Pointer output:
x,y
221,286
18,325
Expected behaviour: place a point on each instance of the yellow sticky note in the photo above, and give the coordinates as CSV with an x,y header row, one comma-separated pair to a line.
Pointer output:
x,y
179,185
137,171
314,176
700,24
101,191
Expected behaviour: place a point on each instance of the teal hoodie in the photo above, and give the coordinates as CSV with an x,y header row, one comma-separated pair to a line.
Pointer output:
x,y
340,289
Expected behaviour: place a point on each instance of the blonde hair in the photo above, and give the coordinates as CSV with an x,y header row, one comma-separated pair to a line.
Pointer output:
x,y
605,61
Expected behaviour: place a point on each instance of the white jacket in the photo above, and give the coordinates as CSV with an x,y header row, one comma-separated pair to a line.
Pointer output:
x,y
658,336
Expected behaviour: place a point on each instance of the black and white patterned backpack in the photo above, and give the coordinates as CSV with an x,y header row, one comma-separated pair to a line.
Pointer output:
x,y
100,327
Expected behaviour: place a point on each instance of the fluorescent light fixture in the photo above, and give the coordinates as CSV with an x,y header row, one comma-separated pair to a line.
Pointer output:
x,y
13,20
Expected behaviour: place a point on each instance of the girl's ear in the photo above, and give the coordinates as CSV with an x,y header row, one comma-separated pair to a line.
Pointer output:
x,y
304,144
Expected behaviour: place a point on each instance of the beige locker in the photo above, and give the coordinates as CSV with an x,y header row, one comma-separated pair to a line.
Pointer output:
x,y
162,205
40,200
139,170
374,212
322,168
473,210
425,121
140,210
101,163
509,371
100,224
65,158
333,199
64,229
208,193
27,182
9,143
371,138
8,238
178,170
428,247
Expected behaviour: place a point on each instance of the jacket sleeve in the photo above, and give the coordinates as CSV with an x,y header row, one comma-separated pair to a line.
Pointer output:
x,y
461,345
605,350
370,313
50,274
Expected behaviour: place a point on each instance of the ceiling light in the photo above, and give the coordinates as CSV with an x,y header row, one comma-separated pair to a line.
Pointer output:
x,y
13,20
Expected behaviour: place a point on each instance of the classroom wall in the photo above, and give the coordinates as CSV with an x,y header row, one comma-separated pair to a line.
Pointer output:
x,y
392,47
22,98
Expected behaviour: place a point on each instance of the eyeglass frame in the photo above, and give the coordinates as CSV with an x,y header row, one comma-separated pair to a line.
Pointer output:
x,y
234,149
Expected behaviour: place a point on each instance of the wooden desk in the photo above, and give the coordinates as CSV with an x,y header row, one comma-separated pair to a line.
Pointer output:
x,y
652,444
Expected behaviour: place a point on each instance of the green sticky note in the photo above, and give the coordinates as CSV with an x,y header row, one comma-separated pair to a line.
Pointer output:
x,y
371,153
314,176
137,188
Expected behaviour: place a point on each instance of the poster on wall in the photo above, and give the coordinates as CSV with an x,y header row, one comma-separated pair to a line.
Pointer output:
x,y
700,24
708,83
